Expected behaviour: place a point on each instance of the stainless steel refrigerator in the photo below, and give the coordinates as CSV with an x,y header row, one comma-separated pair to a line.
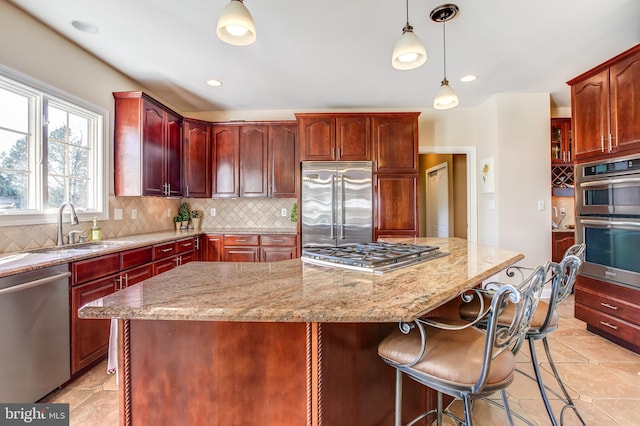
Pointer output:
x,y
336,205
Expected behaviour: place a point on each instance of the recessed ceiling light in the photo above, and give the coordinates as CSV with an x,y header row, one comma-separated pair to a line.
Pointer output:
x,y
85,27
214,83
467,78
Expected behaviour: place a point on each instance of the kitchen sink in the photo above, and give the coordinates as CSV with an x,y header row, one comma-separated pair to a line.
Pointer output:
x,y
78,248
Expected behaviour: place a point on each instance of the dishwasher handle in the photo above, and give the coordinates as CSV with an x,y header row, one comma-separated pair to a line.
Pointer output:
x,y
34,283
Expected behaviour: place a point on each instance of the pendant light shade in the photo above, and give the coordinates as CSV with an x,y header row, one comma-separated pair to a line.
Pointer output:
x,y
445,97
409,51
235,24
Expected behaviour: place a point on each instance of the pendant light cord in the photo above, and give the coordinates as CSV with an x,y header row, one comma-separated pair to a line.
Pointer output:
x,y
444,45
407,12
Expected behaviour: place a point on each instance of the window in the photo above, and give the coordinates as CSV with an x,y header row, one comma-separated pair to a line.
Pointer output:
x,y
51,151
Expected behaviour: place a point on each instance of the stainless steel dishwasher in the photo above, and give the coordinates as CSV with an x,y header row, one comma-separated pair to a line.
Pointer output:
x,y
34,333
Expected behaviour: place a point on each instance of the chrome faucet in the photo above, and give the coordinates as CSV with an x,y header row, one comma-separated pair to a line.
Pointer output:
x,y
73,218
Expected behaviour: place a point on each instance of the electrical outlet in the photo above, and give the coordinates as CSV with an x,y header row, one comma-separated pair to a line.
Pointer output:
x,y
134,214
117,214
283,212
562,211
213,211
169,213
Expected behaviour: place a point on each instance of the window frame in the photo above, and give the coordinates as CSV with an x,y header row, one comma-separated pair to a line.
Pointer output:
x,y
43,93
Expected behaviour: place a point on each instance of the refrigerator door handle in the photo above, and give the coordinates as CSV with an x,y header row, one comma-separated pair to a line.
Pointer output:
x,y
333,207
342,207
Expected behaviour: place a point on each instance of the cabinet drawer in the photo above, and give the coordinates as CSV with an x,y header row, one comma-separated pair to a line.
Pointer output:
x,y
241,254
135,275
278,240
136,257
90,269
609,305
163,265
611,291
241,240
610,325
185,244
161,251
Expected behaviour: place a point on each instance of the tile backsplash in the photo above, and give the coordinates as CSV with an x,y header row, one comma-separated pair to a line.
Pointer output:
x,y
154,214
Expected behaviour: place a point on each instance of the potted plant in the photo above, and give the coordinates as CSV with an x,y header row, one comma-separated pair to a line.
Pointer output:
x,y
196,218
177,222
183,215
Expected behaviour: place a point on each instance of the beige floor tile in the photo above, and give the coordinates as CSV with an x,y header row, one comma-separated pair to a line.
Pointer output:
x,y
593,381
99,410
624,411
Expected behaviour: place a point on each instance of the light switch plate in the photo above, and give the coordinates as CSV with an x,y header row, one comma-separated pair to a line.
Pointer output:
x,y
541,205
283,212
134,214
213,211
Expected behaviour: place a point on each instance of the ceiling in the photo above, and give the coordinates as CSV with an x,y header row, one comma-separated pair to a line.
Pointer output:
x,y
336,54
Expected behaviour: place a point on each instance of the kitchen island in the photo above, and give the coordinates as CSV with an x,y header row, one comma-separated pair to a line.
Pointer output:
x,y
284,343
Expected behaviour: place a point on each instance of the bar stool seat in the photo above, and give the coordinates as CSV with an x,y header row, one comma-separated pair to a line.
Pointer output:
x,y
470,310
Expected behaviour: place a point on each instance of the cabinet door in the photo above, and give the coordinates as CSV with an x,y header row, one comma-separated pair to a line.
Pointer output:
x,y
134,276
212,248
353,138
284,169
561,242
153,148
276,254
396,212
625,103
225,156
135,257
185,244
173,154
395,143
317,138
253,161
241,254
590,111
89,337
164,265
197,156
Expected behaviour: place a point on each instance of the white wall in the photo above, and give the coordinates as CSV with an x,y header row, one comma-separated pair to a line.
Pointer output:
x,y
515,132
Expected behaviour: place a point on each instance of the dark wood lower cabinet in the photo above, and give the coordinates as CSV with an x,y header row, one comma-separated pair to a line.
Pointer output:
x,y
280,373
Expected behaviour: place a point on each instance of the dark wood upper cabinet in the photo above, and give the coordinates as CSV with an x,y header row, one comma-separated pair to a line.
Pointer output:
x,y
197,156
328,137
561,143
396,209
253,161
605,113
225,158
284,173
395,143
147,147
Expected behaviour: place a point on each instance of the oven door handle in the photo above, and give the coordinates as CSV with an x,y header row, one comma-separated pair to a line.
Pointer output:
x,y
609,222
609,182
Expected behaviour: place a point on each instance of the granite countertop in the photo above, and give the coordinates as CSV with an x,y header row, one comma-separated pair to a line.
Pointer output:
x,y
28,260
294,291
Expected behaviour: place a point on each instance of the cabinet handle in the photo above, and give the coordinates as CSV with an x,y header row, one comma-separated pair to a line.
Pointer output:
x,y
278,241
178,260
186,244
197,243
167,250
610,143
337,153
241,241
606,305
187,188
126,280
119,281
168,189
606,324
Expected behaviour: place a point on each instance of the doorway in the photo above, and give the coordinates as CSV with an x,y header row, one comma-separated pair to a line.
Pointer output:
x,y
437,201
462,182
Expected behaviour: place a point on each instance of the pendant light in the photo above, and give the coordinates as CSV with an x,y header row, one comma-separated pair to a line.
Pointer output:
x,y
409,51
445,98
235,24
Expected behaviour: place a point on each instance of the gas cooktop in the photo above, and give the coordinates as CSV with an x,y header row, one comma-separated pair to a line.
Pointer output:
x,y
377,257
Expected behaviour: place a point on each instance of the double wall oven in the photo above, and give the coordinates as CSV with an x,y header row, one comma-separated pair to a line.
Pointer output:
x,y
608,219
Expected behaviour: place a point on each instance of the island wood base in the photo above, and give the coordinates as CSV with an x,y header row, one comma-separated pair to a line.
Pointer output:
x,y
271,373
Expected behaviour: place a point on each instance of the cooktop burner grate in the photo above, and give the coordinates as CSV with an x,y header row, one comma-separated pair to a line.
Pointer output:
x,y
369,255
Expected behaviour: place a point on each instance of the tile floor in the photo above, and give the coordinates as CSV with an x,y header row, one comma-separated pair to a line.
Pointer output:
x,y
603,379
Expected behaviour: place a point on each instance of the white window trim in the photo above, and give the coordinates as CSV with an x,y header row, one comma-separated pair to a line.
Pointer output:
x,y
101,161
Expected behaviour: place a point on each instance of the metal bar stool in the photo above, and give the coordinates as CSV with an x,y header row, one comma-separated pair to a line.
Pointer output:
x,y
459,359
562,277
